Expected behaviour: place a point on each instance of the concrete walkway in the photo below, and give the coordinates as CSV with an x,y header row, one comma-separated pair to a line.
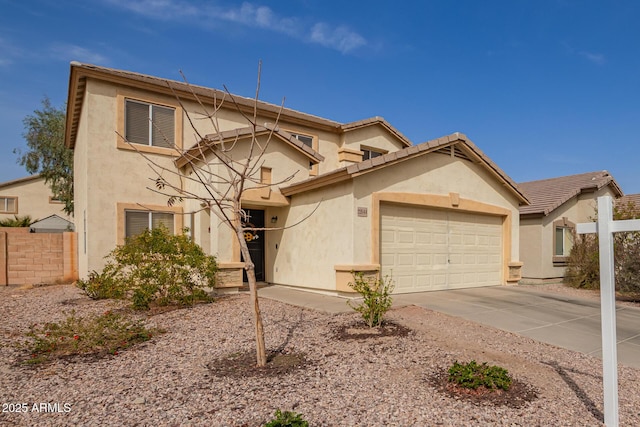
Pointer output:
x,y
567,322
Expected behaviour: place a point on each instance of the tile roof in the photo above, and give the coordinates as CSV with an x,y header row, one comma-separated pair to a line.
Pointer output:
x,y
19,180
629,198
377,120
547,195
80,72
468,150
195,152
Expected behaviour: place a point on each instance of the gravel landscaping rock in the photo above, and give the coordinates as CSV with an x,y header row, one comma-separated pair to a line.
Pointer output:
x,y
384,380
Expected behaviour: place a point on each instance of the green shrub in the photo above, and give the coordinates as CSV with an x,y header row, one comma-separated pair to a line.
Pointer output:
x,y
471,375
17,221
287,419
376,294
103,334
155,267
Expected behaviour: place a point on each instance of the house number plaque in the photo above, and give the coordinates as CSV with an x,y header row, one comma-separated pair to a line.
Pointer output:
x,y
362,212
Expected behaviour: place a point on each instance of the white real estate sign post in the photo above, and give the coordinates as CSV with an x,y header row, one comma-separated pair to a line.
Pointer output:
x,y
605,227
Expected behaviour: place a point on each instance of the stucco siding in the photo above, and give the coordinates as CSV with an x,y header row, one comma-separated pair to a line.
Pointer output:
x,y
531,253
372,137
308,252
34,200
436,174
538,258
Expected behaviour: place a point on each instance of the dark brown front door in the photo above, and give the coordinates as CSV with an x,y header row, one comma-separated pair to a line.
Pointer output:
x,y
255,242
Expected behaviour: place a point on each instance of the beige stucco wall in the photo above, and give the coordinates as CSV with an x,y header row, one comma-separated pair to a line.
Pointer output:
x,y
335,236
307,252
531,247
375,136
106,176
536,245
34,199
437,174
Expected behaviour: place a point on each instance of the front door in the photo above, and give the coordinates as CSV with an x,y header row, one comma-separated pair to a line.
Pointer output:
x,y
255,242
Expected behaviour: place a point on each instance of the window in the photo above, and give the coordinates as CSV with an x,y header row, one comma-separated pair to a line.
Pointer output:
x,y
149,124
305,139
8,205
138,221
562,240
368,153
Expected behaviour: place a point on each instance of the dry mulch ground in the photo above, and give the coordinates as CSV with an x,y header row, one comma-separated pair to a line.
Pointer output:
x,y
327,367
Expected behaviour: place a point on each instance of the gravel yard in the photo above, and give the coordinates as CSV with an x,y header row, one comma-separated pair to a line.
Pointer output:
x,y
378,381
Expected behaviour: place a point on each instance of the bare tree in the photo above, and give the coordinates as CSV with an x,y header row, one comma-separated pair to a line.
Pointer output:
x,y
218,180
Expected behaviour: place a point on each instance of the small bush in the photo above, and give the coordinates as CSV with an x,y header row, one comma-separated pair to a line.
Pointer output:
x,y
287,419
376,295
154,267
104,334
471,375
17,221
583,269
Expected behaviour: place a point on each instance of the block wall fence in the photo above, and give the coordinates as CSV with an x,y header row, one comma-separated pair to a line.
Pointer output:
x,y
37,258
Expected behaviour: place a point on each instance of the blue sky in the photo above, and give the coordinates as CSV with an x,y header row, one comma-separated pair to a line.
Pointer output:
x,y
544,87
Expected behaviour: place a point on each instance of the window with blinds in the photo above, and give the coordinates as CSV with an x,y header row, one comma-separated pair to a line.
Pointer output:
x,y
138,221
9,204
149,124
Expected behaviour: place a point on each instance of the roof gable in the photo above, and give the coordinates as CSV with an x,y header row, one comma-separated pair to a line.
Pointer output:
x,y
80,72
20,180
457,144
211,141
376,121
546,195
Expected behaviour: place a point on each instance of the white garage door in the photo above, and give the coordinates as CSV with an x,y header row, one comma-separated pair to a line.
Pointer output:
x,y
429,249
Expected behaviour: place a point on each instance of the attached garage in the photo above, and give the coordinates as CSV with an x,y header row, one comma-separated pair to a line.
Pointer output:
x,y
424,248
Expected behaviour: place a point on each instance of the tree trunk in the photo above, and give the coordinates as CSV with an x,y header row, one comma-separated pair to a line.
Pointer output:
x,y
261,353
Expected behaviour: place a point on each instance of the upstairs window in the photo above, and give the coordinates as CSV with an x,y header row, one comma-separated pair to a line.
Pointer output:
x,y
305,139
368,153
138,221
9,205
149,124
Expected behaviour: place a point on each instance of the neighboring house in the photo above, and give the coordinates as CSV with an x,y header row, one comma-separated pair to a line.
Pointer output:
x,y
29,196
547,225
436,215
627,199
51,224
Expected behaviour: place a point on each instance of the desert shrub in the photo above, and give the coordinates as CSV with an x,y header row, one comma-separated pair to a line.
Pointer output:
x,y
17,221
376,294
583,267
103,334
287,419
471,375
155,267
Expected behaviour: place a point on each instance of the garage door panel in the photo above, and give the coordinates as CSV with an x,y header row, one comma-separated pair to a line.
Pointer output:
x,y
429,249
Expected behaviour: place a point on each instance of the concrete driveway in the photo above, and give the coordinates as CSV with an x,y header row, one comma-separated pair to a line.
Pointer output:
x,y
567,322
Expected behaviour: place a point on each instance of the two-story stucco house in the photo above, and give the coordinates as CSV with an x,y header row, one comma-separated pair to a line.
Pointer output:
x,y
30,196
435,215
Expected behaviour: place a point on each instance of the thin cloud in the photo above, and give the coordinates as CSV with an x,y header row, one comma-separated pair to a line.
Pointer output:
x,y
340,38
596,58
10,52
70,52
